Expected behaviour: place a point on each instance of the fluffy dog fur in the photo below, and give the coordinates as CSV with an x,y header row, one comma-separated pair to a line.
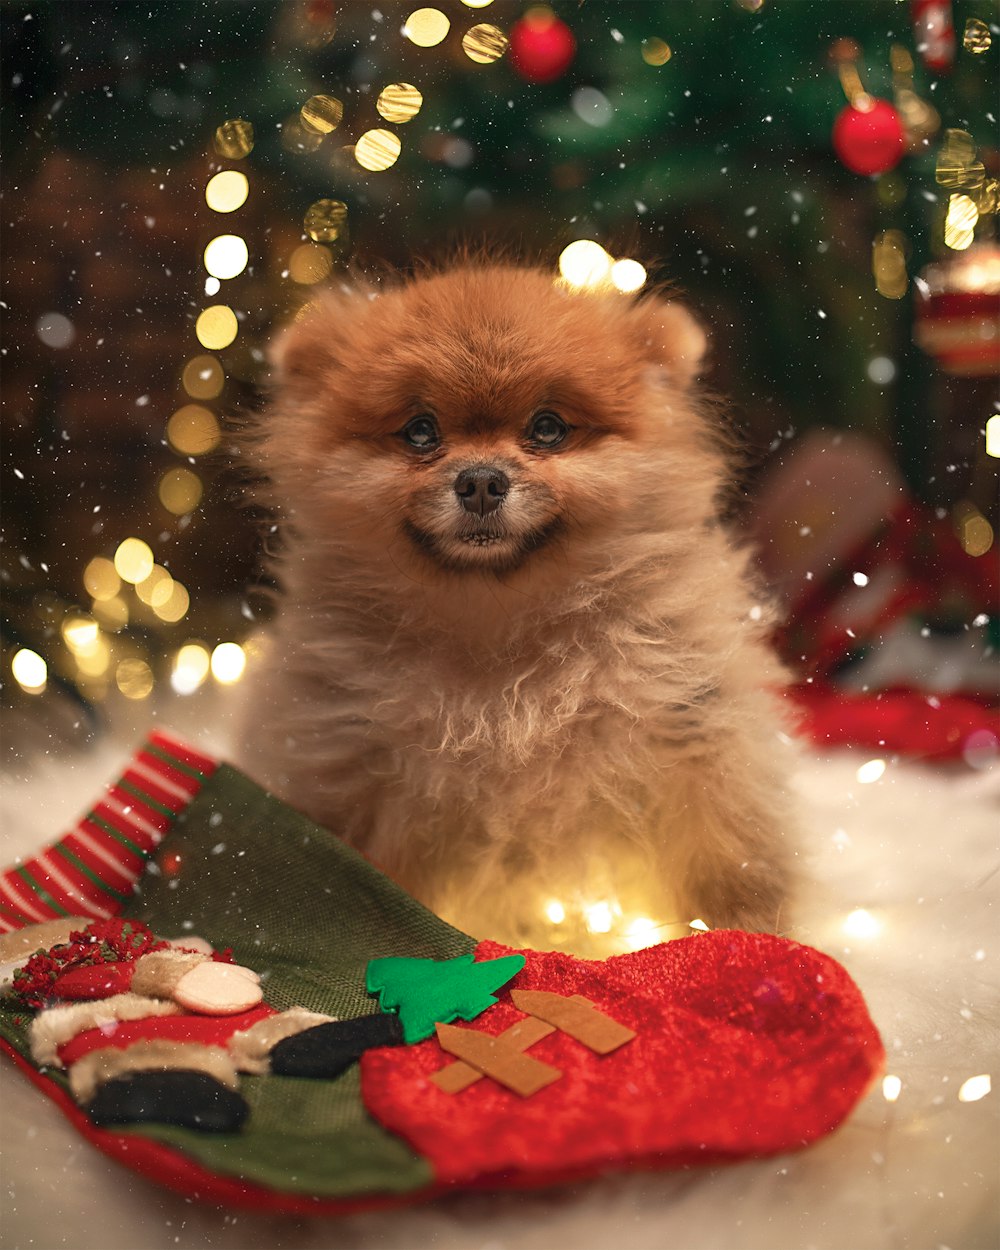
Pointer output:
x,y
560,691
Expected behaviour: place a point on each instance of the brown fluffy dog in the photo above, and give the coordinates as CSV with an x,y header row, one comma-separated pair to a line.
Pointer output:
x,y
518,658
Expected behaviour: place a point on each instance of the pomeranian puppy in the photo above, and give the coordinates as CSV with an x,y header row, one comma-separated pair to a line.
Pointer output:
x,y
519,664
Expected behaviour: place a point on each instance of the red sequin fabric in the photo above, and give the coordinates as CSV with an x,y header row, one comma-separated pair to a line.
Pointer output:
x,y
746,1045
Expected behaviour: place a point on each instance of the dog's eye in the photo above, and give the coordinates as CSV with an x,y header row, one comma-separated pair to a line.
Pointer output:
x,y
546,430
422,433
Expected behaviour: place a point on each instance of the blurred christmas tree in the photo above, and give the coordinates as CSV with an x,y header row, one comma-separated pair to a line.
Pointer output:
x,y
692,137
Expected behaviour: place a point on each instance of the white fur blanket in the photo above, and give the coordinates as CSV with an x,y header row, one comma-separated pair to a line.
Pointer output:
x,y
917,850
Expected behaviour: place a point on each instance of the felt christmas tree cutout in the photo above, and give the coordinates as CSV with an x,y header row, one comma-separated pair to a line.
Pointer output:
x,y
427,992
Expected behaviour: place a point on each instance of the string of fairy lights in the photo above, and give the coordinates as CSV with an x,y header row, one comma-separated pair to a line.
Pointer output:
x,y
128,585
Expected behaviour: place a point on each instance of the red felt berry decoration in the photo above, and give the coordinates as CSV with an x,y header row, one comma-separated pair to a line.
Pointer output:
x,y
541,46
868,136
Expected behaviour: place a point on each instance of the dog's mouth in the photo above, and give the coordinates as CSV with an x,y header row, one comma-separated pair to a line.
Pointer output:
x,y
483,543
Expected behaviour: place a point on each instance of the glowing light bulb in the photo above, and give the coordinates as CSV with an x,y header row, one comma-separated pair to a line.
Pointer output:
x,y
974,1088
627,275
555,911
228,662
134,678
30,671
642,932
891,1088
216,327
80,633
426,27
861,924
598,917
993,436
584,263
226,256
133,560
227,191
191,665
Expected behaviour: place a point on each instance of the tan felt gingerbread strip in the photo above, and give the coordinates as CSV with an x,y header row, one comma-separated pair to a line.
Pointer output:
x,y
576,1016
458,1076
508,1066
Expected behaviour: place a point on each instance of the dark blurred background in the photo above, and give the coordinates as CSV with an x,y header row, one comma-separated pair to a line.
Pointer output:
x,y
853,315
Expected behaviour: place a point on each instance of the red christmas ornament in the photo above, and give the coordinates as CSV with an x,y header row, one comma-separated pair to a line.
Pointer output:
x,y
541,46
958,311
934,33
868,136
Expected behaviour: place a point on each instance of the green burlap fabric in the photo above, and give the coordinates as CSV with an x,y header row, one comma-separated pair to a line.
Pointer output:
x,y
308,913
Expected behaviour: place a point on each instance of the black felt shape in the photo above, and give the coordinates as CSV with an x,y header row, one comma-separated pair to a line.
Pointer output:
x,y
327,1049
177,1096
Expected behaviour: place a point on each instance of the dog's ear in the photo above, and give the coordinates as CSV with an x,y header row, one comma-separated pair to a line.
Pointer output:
x,y
671,338
299,350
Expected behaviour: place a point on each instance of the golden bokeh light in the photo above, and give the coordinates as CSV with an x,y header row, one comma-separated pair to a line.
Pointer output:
x,y
152,587
30,670
377,150
180,491
628,275
100,580
193,430
892,1087
974,530
80,633
322,113
993,435
656,51
94,661
309,263
174,606
977,38
234,139
203,377
599,917
426,27
585,263
228,663
399,102
477,4
226,256
870,771
112,614
216,327
191,665
133,560
134,678
975,1087
484,43
555,912
641,932
861,925
325,220
960,224
889,264
227,191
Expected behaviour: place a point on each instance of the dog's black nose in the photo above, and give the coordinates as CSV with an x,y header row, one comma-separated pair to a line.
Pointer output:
x,y
482,489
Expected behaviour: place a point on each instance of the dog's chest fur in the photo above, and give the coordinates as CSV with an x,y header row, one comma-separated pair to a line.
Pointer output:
x,y
462,750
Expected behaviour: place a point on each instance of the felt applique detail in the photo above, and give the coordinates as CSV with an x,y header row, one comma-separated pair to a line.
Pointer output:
x,y
329,1049
502,1057
189,1099
427,992
745,1045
